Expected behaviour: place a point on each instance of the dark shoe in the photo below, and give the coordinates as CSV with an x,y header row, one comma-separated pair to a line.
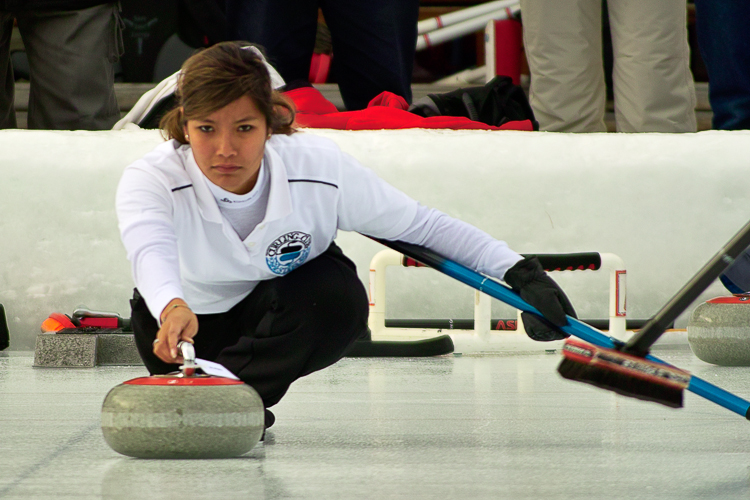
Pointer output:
x,y
270,418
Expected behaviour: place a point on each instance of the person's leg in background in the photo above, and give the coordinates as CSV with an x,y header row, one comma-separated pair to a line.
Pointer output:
x,y
563,42
723,29
653,84
288,327
374,44
71,61
736,278
285,30
7,92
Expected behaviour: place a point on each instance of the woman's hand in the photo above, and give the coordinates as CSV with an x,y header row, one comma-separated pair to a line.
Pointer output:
x,y
178,322
527,277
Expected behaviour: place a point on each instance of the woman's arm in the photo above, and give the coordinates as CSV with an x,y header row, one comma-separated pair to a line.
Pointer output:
x,y
144,211
460,242
371,206
378,209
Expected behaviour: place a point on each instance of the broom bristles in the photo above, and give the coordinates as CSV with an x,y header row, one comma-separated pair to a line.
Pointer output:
x,y
623,373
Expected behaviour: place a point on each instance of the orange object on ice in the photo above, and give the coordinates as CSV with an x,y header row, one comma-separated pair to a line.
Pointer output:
x,y
56,322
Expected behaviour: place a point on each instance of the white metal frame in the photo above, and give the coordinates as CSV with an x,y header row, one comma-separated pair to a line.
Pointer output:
x,y
462,22
456,24
482,338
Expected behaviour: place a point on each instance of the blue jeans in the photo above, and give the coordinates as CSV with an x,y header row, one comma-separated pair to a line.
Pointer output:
x,y
373,41
723,28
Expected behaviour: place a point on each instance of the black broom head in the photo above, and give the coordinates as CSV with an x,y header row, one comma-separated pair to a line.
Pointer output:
x,y
623,373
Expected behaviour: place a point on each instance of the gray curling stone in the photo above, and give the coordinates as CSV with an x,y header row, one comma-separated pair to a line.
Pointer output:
x,y
719,331
183,415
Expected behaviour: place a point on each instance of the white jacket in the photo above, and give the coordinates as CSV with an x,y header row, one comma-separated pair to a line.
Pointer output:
x,y
180,245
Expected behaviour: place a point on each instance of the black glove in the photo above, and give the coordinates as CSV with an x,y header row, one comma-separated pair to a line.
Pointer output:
x,y
528,278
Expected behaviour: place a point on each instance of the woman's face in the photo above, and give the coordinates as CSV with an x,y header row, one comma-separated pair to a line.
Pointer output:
x,y
228,144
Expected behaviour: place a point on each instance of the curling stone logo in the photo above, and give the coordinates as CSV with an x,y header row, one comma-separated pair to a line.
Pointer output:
x,y
288,252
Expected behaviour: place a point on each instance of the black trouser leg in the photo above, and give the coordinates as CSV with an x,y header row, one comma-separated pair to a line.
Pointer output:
x,y
288,327
374,43
286,31
7,81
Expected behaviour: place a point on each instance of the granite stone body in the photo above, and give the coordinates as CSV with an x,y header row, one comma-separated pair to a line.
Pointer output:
x,y
719,331
85,350
117,349
65,351
182,421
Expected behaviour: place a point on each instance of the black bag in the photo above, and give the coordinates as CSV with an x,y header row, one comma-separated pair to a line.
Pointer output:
x,y
497,102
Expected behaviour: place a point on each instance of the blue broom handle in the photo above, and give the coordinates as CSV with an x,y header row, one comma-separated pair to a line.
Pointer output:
x,y
574,327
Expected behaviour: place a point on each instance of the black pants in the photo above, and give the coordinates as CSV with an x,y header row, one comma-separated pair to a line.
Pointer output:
x,y
374,41
288,327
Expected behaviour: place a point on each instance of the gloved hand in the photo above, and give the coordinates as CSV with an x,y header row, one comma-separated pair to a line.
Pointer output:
x,y
527,277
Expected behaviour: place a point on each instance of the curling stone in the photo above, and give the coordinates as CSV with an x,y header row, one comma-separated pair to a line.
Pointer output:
x,y
719,331
182,415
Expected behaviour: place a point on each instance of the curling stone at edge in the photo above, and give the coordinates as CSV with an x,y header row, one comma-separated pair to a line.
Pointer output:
x,y
719,331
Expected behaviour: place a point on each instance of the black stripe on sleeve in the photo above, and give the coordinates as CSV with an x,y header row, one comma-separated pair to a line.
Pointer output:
x,y
182,187
314,181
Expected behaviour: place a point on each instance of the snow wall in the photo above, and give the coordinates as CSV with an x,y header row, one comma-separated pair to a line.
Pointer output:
x,y
664,203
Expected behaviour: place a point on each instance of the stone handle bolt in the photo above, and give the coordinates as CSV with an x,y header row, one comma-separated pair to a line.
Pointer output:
x,y
188,354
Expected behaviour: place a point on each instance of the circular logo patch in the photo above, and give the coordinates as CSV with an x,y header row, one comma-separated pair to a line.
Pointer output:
x,y
288,252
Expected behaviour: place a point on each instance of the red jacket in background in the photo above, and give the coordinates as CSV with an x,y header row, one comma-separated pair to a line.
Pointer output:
x,y
386,111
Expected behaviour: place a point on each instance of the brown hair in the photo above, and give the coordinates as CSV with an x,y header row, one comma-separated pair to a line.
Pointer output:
x,y
218,76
